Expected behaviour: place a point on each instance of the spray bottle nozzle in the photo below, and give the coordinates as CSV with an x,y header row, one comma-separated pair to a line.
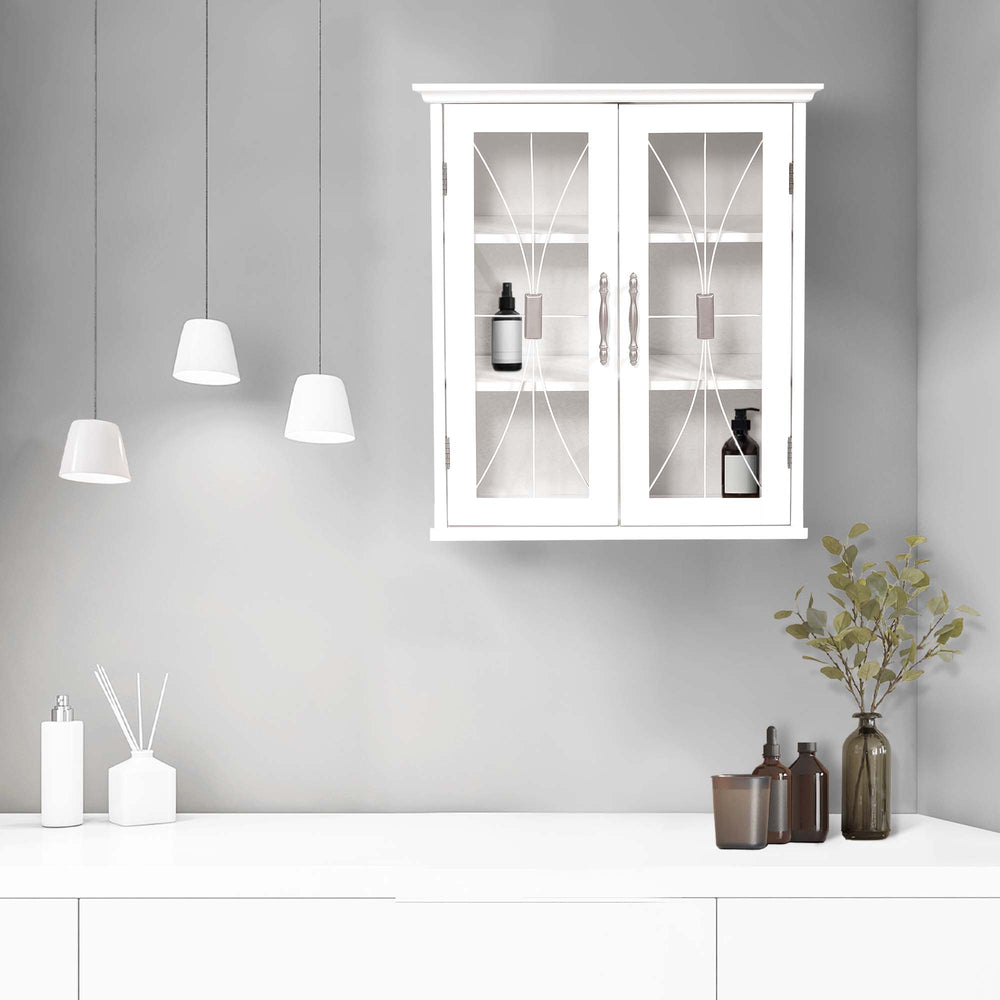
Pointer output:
x,y
742,421
507,301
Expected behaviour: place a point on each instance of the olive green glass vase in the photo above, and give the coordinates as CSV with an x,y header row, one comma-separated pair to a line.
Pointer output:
x,y
865,812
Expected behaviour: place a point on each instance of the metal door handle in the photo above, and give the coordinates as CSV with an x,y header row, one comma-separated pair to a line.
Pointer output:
x,y
602,318
633,320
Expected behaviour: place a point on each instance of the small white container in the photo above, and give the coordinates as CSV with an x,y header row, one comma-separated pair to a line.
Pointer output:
x,y
62,767
142,791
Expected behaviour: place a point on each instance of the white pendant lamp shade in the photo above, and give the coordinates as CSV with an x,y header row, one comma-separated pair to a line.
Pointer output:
x,y
319,412
94,453
205,354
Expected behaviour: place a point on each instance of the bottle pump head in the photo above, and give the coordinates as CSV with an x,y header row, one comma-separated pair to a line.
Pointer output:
x,y
772,748
507,302
62,711
742,422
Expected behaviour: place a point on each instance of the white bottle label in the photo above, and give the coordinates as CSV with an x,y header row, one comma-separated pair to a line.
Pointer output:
x,y
62,773
737,475
507,340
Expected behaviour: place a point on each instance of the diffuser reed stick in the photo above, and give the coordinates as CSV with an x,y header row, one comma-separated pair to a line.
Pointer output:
x,y
119,713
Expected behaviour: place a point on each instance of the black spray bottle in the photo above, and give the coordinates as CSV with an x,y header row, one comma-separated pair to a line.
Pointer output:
x,y
506,334
738,471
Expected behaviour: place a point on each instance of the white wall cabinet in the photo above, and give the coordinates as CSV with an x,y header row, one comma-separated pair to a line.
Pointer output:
x,y
38,949
829,949
663,229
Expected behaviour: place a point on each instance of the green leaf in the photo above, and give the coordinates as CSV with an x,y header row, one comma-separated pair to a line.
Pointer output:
x,y
870,609
885,677
876,583
841,621
840,567
859,529
912,575
850,554
857,591
869,669
838,581
832,545
782,614
837,600
798,631
867,566
937,606
892,569
912,540
968,610
814,659
833,672
797,592
816,620
948,655
910,675
921,562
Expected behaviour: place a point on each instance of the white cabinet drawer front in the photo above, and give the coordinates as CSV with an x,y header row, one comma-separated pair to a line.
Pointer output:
x,y
239,949
38,949
836,948
544,951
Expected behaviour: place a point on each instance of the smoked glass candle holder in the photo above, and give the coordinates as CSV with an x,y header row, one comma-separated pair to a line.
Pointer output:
x,y
740,803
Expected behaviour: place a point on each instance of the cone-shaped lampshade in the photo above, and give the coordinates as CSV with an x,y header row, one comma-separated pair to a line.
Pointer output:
x,y
205,354
319,412
94,453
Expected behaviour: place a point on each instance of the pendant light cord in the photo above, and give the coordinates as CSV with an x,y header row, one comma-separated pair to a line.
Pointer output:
x,y
95,209
206,159
320,188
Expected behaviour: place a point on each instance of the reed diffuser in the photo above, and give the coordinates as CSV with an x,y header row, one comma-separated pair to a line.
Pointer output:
x,y
141,790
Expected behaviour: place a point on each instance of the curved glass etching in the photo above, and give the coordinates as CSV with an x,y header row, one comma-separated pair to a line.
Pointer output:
x,y
705,229
531,230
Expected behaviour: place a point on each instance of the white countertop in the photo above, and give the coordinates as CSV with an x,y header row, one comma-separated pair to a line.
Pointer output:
x,y
480,856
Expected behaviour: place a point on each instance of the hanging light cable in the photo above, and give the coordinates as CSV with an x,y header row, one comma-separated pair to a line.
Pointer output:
x,y
95,452
205,354
319,412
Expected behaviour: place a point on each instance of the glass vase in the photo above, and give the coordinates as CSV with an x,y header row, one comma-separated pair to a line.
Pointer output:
x,y
865,812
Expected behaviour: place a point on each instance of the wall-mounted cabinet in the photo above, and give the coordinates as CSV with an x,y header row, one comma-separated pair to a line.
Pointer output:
x,y
654,240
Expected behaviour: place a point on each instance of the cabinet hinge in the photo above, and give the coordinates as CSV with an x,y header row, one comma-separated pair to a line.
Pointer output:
x,y
789,451
444,178
791,178
447,452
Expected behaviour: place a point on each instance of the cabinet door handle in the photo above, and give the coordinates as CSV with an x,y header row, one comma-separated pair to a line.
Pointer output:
x,y
633,320
602,318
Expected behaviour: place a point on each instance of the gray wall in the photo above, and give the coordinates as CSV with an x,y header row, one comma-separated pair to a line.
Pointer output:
x,y
324,655
959,350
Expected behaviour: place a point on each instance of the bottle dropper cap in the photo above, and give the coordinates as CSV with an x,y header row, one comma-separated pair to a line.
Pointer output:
x,y
772,748
507,301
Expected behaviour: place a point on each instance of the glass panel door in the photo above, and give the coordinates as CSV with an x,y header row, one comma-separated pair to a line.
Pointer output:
x,y
705,293
531,370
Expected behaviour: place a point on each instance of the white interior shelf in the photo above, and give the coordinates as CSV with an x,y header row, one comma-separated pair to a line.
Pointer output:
x,y
568,373
497,229
675,229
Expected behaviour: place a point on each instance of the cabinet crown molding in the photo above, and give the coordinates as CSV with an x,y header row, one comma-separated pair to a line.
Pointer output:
x,y
616,93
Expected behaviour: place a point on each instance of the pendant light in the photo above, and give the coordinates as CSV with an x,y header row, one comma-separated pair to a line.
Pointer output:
x,y
205,354
319,412
94,451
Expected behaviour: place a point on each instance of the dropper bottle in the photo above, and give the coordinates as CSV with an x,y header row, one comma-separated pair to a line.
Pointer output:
x,y
779,827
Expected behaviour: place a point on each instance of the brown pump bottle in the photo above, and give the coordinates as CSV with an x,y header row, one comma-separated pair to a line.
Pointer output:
x,y
779,829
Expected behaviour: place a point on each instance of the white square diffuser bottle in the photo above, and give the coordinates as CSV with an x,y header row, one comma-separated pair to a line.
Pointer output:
x,y
142,790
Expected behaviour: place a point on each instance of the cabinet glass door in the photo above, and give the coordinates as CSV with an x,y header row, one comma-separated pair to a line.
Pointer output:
x,y
531,200
705,313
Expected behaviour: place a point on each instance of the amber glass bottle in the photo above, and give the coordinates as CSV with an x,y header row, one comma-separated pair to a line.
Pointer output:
x,y
810,797
779,812
866,781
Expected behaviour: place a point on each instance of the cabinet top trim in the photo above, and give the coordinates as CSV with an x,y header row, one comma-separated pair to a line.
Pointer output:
x,y
616,93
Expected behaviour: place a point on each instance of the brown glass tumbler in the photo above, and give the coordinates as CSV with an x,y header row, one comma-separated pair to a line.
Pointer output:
x,y
740,803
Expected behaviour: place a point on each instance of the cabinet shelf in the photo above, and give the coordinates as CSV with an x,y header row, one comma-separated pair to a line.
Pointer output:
x,y
674,229
497,229
573,229
568,373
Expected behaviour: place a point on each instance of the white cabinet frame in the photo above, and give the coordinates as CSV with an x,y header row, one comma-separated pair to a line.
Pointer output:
x,y
458,513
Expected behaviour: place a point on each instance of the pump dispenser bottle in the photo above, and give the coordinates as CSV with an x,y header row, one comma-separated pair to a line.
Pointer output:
x,y
737,478
779,829
62,767
506,334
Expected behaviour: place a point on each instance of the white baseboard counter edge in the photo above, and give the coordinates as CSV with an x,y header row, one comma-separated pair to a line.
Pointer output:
x,y
480,856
